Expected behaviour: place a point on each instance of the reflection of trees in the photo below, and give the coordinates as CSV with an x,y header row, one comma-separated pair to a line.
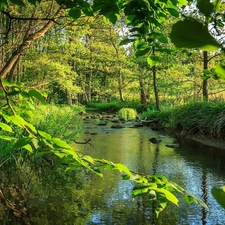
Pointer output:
x,y
204,195
48,196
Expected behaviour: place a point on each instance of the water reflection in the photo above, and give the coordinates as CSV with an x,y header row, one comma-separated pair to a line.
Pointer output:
x,y
194,166
53,197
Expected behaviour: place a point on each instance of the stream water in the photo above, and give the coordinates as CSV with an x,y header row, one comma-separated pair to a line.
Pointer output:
x,y
194,166
80,198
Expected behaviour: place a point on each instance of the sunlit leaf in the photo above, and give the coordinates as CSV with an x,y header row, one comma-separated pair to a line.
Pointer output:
x,y
192,34
6,127
170,197
152,60
28,148
123,168
7,138
220,71
61,143
45,135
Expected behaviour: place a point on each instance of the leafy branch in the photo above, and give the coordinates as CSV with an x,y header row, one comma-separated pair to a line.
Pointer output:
x,y
156,187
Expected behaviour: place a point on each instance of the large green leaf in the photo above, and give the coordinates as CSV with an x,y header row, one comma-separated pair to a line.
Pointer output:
x,y
6,127
169,196
22,142
219,195
141,52
220,71
192,34
61,143
205,7
152,60
36,94
75,13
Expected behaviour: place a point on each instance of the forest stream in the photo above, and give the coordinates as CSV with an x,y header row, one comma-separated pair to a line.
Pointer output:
x,y
85,198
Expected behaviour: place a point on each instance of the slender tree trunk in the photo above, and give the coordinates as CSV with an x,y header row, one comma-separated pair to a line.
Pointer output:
x,y
155,84
205,81
143,97
26,44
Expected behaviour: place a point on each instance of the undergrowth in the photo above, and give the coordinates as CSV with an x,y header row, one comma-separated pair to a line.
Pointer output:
x,y
200,118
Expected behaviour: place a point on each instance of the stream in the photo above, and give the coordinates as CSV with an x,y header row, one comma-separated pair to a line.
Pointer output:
x,y
192,165
52,197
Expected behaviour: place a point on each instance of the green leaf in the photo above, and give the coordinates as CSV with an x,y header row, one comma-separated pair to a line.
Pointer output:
x,y
7,138
123,168
219,195
22,142
3,5
28,148
152,60
169,196
126,41
86,8
141,52
6,127
17,2
192,34
173,12
111,16
220,71
205,7
75,13
61,143
45,135
37,95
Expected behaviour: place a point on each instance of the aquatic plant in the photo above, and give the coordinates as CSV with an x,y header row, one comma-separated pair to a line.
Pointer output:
x,y
127,114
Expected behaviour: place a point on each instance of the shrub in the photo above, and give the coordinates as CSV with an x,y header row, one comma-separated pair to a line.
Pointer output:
x,y
59,121
127,114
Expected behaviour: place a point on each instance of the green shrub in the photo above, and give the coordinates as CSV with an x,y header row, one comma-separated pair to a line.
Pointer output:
x,y
59,121
127,114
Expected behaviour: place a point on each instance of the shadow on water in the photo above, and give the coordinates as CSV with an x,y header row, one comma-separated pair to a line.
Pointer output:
x,y
53,197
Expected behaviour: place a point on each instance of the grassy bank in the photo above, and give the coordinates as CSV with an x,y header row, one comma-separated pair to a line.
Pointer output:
x,y
201,118
112,107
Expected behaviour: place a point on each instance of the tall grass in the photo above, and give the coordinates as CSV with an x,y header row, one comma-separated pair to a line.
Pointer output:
x,y
205,118
114,106
59,121
127,114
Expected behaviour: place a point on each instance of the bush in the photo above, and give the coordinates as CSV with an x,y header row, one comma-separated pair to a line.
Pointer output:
x,y
127,114
59,121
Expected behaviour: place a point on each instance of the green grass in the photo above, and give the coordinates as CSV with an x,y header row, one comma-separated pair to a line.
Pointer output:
x,y
127,114
59,121
200,118
113,106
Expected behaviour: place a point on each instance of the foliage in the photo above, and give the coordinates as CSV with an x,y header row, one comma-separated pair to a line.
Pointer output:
x,y
205,118
114,106
58,121
141,17
127,114
38,143
219,195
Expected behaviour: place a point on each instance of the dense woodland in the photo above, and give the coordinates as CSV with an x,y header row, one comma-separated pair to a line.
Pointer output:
x,y
156,54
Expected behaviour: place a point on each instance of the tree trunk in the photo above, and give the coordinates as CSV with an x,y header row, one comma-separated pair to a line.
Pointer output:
x,y
26,44
155,84
143,97
205,81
